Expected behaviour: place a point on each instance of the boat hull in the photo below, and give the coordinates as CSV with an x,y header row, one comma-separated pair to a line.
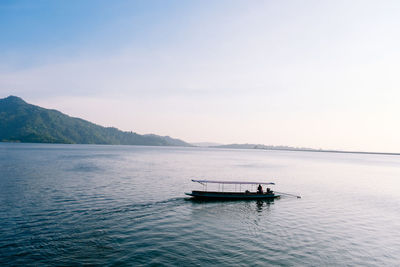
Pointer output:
x,y
230,195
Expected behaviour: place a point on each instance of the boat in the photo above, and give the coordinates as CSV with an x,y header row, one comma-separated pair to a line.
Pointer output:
x,y
221,194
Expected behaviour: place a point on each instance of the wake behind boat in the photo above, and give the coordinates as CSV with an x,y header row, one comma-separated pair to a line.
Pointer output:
x,y
221,194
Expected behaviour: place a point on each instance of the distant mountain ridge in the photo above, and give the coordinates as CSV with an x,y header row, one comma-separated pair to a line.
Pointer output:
x,y
23,122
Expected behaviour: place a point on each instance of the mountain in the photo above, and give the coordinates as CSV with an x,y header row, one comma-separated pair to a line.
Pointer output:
x,y
23,122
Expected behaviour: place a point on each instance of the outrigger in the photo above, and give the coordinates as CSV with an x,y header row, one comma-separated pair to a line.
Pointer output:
x,y
259,194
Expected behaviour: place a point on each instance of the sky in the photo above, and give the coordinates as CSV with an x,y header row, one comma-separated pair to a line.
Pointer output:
x,y
317,74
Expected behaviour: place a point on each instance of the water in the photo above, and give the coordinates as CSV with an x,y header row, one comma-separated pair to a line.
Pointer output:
x,y
125,205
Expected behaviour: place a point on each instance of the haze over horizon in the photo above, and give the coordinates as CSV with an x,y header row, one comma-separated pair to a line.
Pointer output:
x,y
315,74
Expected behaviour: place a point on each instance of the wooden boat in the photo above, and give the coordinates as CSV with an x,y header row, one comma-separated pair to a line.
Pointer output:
x,y
221,194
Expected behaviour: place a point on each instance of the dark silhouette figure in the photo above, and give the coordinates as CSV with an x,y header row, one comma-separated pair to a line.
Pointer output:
x,y
259,189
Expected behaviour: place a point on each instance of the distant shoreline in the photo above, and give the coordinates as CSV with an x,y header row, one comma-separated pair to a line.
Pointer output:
x,y
304,149
226,147
336,151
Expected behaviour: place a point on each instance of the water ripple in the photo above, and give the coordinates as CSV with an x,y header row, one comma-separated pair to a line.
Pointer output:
x,y
106,205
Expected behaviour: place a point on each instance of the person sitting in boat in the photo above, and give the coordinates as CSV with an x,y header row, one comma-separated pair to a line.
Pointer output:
x,y
259,189
269,191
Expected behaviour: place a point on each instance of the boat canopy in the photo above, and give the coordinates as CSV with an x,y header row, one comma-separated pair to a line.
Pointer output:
x,y
228,182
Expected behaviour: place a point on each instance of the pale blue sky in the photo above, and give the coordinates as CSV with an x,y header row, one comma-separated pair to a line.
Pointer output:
x,y
321,74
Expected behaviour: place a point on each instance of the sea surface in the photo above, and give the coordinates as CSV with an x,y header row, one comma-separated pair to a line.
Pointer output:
x,y
73,205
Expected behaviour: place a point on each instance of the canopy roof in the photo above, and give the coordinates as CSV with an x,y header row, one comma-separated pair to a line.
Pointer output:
x,y
228,182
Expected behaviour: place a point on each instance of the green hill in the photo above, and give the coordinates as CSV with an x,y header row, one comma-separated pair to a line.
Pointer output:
x,y
23,122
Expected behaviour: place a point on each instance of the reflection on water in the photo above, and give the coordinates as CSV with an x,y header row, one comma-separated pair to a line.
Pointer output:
x,y
260,205
243,205
121,205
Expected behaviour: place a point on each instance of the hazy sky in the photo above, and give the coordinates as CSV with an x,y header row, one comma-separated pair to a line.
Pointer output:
x,y
321,74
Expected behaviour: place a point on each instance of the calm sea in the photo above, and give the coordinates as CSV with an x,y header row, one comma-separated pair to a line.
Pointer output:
x,y
125,205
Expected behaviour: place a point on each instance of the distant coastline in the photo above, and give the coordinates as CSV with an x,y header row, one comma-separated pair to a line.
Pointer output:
x,y
21,122
288,148
228,147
